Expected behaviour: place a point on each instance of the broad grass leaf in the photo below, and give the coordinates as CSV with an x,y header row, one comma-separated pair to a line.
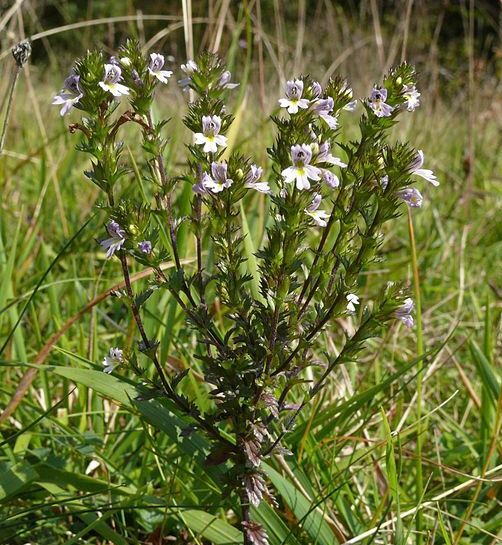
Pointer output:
x,y
157,414
310,519
211,527
14,477
486,372
249,252
278,532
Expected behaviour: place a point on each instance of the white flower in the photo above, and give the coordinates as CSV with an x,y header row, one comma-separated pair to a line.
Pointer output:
x,y
116,240
411,97
331,179
319,216
210,137
156,64
351,106
294,100
224,81
425,173
325,156
323,108
113,74
377,102
190,67
403,313
69,95
316,89
261,187
352,301
301,171
218,180
252,180
411,196
114,358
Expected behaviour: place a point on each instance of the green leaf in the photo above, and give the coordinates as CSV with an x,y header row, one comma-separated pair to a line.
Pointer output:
x,y
156,413
486,372
277,531
393,479
41,282
78,481
308,516
444,531
15,477
249,251
209,526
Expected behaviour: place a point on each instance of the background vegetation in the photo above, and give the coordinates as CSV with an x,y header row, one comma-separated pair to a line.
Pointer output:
x,y
79,462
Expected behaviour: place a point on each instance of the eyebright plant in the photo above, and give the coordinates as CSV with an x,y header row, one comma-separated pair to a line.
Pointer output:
x,y
257,329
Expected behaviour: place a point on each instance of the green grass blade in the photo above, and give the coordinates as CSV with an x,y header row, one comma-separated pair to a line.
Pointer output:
x,y
249,252
209,526
312,521
486,372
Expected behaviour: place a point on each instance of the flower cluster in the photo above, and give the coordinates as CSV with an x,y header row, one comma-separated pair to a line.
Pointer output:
x,y
112,80
257,312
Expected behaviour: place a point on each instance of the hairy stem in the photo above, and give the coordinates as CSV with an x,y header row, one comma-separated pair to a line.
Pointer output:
x,y
210,429
161,169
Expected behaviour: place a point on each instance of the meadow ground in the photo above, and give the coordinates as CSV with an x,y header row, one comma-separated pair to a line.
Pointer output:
x,y
75,465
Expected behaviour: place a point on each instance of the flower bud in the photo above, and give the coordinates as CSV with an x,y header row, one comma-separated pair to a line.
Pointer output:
x,y
133,229
224,79
399,80
125,61
135,77
316,89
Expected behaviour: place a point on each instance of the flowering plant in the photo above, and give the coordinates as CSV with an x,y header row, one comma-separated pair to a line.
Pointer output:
x,y
258,318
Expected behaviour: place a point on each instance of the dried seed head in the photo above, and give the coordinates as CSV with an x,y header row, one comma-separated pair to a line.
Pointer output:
x,y
21,52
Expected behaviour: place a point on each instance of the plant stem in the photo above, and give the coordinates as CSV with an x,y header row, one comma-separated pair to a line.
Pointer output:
x,y
170,393
163,180
315,389
139,323
168,390
327,315
198,247
420,351
320,247
245,512
241,427
15,77
161,170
